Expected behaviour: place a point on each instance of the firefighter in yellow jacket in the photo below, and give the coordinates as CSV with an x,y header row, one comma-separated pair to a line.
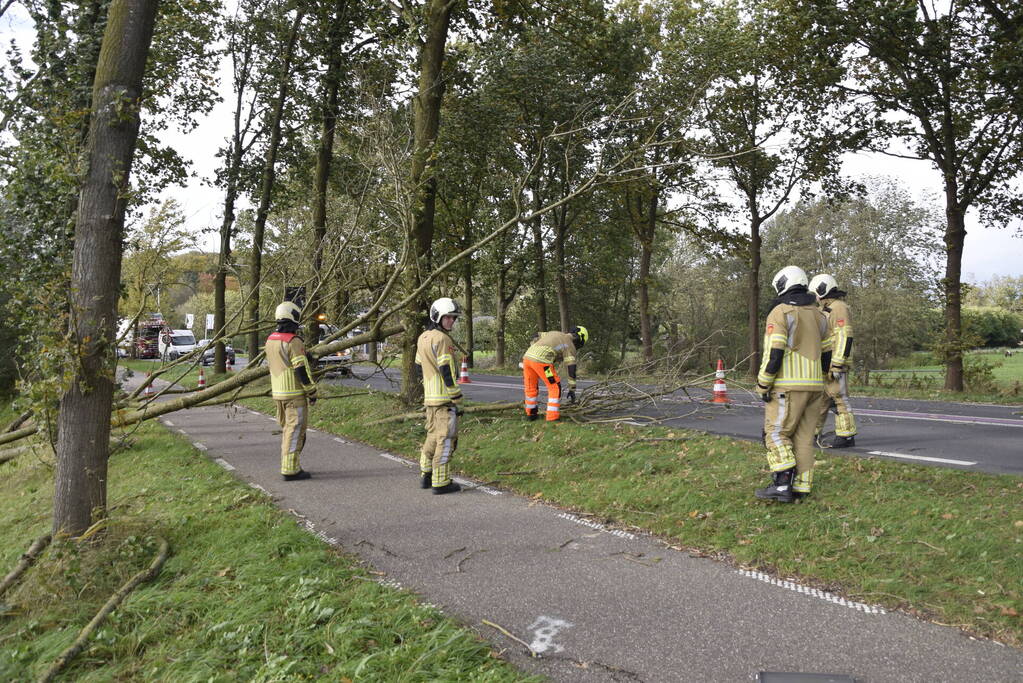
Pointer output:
x,y
797,354
435,355
292,385
836,385
539,365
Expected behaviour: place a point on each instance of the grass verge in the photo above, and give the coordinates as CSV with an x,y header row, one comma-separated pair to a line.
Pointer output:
x,y
942,544
247,594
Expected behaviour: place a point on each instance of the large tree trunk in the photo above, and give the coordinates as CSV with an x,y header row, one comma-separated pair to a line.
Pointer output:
x,y
324,156
500,319
955,236
227,225
648,231
266,187
561,284
470,341
426,124
753,307
80,482
540,284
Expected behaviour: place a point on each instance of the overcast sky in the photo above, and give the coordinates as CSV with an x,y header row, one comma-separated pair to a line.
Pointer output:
x,y
988,251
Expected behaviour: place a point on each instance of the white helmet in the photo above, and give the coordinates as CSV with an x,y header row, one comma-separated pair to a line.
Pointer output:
x,y
442,307
787,278
289,311
822,285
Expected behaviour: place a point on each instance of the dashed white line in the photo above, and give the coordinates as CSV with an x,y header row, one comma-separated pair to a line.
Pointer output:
x,y
168,423
478,487
887,454
259,488
339,440
198,445
595,525
223,463
805,590
394,458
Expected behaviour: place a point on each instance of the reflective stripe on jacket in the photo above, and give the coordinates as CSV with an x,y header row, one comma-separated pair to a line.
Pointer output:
x,y
434,349
285,353
804,333
838,315
552,347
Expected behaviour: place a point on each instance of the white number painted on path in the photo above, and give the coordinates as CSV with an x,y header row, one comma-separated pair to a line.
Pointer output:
x,y
544,629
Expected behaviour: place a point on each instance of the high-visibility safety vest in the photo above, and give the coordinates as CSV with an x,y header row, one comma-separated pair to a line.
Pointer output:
x,y
804,333
434,351
552,347
285,353
841,338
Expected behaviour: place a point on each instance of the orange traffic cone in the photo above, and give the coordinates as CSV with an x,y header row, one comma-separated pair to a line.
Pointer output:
x,y
202,380
463,376
148,392
720,391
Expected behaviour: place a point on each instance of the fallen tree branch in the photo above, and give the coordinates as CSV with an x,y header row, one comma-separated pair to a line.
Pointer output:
x,y
418,415
116,599
26,561
502,629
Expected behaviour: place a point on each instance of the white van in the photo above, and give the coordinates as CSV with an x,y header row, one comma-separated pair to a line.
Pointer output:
x,y
176,343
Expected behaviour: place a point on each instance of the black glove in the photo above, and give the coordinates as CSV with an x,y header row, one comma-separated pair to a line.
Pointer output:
x,y
312,397
765,393
571,395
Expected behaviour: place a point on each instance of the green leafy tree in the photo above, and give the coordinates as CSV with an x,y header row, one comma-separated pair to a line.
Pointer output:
x,y
940,80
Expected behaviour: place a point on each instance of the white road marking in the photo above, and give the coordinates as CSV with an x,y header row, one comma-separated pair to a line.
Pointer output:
x,y
168,423
395,458
259,488
805,590
544,629
199,445
478,487
888,454
595,525
339,440
223,463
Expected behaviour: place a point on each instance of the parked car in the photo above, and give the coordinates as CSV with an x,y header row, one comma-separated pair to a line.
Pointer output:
x,y
339,363
209,354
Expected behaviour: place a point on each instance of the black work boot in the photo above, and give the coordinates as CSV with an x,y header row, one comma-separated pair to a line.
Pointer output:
x,y
781,489
449,487
297,476
843,442
532,415
426,480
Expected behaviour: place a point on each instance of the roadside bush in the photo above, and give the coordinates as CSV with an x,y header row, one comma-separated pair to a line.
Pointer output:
x,y
993,326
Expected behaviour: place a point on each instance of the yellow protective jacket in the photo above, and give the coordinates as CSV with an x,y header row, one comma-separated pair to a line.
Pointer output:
x,y
435,354
285,353
801,333
554,347
842,336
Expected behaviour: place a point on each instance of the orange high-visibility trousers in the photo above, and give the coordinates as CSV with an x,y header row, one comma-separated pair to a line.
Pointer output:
x,y
533,372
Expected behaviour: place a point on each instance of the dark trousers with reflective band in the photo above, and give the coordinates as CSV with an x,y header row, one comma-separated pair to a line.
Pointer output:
x,y
837,389
790,421
534,372
441,442
292,415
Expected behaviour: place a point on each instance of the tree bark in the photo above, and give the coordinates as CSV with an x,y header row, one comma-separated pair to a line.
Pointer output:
x,y
266,187
470,342
560,234
80,481
324,156
955,237
426,124
227,224
753,307
538,261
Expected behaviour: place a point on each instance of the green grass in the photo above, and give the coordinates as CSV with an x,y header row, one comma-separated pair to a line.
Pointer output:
x,y
901,382
247,594
941,543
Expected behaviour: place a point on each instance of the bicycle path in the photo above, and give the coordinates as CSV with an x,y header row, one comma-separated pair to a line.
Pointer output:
x,y
583,602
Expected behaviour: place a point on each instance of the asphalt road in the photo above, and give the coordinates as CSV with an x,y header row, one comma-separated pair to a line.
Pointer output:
x,y
968,436
565,596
